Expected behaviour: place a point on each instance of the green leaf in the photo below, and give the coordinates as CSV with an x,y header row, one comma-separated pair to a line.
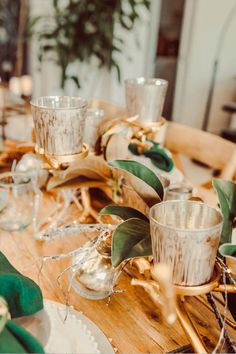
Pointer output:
x,y
32,23
116,66
123,212
85,34
143,173
226,191
131,239
228,249
75,79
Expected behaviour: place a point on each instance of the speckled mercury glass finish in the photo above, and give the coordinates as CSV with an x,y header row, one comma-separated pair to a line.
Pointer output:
x,y
59,124
185,236
146,98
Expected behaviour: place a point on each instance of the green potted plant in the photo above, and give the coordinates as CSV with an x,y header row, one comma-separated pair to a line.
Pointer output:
x,y
82,30
130,238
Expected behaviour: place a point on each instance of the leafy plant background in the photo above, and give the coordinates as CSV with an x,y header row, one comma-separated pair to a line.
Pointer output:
x,y
84,29
9,18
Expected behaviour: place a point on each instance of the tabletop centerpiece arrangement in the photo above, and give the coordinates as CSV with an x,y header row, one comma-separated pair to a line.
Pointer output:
x,y
170,247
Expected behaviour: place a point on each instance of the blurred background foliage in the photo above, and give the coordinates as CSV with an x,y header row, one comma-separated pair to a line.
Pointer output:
x,y
82,30
9,22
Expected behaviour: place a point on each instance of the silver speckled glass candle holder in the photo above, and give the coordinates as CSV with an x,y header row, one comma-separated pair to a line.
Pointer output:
x,y
59,124
185,236
145,98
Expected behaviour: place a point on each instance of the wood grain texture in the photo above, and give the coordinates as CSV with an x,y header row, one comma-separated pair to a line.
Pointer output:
x,y
204,147
130,319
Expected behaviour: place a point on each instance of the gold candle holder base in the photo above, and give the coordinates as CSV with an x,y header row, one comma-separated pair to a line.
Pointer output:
x,y
200,289
150,282
58,162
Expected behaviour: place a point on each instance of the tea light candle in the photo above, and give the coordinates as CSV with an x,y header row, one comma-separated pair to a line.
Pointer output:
x,y
26,85
15,85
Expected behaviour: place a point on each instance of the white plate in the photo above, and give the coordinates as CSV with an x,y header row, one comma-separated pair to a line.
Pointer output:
x,y
77,334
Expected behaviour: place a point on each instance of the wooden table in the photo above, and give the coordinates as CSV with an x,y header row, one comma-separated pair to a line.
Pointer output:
x,y
130,319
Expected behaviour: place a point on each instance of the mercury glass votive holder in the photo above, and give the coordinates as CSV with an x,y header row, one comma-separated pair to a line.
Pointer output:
x,y
59,124
16,201
185,236
145,98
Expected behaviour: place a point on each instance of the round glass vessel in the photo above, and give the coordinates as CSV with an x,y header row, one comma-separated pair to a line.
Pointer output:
x,y
179,192
145,97
16,201
93,120
59,124
93,275
185,236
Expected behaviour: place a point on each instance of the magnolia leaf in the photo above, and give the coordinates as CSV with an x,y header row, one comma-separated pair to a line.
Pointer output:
x,y
92,167
123,212
143,180
93,163
228,249
72,180
117,147
131,239
81,182
226,191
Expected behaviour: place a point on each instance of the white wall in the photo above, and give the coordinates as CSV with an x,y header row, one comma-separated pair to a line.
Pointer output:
x,y
135,61
203,21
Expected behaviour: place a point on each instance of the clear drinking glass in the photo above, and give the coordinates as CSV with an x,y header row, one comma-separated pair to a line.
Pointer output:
x,y
146,98
92,122
179,192
16,201
185,236
59,124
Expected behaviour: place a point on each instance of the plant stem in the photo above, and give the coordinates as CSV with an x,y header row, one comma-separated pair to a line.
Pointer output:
x,y
63,76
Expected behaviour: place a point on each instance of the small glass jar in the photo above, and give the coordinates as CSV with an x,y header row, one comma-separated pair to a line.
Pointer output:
x,y
93,275
92,123
179,192
16,201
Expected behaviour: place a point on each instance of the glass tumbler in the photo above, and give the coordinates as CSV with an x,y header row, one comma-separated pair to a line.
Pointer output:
x,y
179,192
146,98
16,201
59,124
185,236
92,123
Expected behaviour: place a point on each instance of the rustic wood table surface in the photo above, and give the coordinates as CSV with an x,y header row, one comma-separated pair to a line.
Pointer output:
x,y
130,319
